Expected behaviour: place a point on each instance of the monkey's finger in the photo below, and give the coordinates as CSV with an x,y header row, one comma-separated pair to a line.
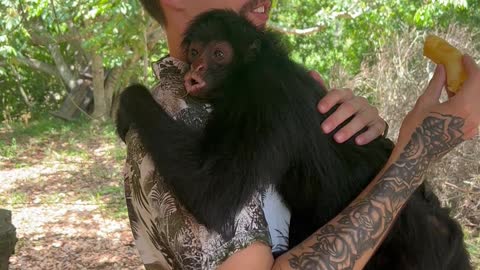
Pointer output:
x,y
334,97
318,78
373,132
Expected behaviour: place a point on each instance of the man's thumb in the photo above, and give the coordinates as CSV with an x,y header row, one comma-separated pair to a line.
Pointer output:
x,y
435,87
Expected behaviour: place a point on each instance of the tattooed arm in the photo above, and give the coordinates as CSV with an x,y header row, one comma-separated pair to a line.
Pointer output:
x,y
428,132
431,130
348,241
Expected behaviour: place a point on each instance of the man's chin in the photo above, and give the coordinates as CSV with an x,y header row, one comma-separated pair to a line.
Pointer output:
x,y
259,20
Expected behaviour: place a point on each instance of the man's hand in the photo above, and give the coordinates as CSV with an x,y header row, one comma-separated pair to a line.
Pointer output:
x,y
429,131
455,120
364,114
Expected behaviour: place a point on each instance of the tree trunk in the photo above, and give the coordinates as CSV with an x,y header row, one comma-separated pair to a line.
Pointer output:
x,y
63,69
99,95
111,82
76,101
8,238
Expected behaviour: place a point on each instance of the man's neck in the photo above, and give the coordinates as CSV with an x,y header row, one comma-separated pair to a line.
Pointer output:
x,y
174,32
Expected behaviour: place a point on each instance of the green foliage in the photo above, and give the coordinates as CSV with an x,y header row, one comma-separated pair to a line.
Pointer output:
x,y
111,201
8,149
348,32
473,247
29,27
46,127
14,198
351,30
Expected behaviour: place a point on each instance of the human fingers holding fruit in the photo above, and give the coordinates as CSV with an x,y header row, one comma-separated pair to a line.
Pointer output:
x,y
442,126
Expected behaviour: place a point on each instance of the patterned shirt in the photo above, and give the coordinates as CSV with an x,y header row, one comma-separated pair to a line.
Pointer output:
x,y
166,235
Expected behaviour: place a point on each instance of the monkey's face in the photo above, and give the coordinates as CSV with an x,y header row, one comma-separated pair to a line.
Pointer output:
x,y
210,65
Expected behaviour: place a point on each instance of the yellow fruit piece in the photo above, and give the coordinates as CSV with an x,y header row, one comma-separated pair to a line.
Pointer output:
x,y
442,53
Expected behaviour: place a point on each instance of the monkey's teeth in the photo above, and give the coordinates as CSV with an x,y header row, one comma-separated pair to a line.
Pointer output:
x,y
259,10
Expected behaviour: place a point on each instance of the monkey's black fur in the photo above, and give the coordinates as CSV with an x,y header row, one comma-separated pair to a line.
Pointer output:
x,y
265,130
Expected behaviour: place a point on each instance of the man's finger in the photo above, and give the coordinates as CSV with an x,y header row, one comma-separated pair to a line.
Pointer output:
x,y
470,66
359,121
334,97
435,87
372,133
450,94
342,113
471,87
318,78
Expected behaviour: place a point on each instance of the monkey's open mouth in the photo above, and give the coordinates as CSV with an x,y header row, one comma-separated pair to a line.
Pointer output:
x,y
194,83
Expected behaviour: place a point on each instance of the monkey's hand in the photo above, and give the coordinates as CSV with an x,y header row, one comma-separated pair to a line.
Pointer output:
x,y
132,100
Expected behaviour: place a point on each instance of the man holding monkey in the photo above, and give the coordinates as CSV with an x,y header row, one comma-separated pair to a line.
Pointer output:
x,y
166,235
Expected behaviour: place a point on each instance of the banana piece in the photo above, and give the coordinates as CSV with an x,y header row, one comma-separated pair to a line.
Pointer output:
x,y
441,52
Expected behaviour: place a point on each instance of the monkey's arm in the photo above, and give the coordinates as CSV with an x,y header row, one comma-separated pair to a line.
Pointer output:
x,y
211,174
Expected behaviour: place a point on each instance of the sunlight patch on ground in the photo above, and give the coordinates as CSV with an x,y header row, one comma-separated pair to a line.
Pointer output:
x,y
77,235
66,197
8,177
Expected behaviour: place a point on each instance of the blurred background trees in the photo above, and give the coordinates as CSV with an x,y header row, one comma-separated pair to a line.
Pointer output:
x,y
62,63
71,57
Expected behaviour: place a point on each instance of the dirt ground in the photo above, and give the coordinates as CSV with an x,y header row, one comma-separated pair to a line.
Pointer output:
x,y
65,190
71,237
67,204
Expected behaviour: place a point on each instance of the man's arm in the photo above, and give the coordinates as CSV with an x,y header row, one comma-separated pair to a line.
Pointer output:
x,y
350,240
352,237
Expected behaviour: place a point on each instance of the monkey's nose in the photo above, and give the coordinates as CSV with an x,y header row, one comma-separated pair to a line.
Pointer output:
x,y
200,68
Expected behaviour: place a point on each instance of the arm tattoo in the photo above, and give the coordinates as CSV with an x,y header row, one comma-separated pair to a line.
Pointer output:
x,y
362,225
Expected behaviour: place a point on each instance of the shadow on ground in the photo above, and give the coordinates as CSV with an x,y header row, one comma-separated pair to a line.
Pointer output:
x,y
66,197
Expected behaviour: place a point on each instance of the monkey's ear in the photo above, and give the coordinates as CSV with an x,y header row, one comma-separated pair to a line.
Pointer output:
x,y
254,50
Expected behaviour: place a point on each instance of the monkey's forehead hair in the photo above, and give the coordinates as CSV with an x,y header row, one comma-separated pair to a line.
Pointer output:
x,y
221,25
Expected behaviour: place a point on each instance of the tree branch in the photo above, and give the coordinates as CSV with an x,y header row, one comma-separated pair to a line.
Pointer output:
x,y
38,65
41,37
313,29
62,67
294,31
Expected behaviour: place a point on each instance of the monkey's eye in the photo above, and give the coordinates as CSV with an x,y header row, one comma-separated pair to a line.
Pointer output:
x,y
193,53
219,54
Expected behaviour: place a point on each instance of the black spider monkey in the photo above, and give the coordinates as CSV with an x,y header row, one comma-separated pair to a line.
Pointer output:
x,y
265,130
